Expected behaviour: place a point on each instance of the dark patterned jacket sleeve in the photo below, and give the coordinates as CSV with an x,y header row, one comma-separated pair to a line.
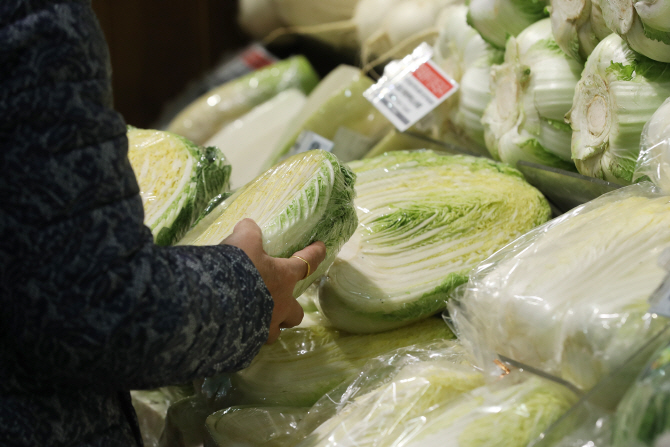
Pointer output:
x,y
87,299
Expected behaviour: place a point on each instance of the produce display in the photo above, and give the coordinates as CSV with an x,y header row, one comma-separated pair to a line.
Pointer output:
x,y
177,180
551,319
425,220
306,198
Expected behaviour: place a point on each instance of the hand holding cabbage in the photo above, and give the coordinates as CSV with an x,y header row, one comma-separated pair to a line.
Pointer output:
x,y
280,275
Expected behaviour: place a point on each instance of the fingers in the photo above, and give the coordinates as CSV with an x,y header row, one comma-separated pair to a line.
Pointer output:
x,y
247,235
312,256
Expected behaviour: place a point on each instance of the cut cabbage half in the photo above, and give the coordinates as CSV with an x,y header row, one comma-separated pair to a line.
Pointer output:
x,y
425,220
177,180
306,198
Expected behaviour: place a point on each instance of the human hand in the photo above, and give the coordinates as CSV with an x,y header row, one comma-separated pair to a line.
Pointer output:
x,y
280,275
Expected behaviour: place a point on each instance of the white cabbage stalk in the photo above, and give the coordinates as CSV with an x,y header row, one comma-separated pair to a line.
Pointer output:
x,y
249,141
425,221
306,198
532,91
578,26
618,93
177,180
643,24
306,363
266,426
571,297
654,160
258,17
498,19
393,396
205,116
462,53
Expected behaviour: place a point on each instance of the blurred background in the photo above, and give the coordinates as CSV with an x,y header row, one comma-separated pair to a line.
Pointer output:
x,y
157,47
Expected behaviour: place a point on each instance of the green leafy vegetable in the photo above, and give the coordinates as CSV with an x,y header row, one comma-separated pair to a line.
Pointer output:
x,y
307,197
177,179
425,220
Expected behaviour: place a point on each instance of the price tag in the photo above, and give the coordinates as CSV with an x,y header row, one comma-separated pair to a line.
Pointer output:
x,y
308,140
660,299
411,88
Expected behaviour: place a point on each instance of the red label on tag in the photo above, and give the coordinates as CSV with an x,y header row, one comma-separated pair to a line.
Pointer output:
x,y
433,80
255,59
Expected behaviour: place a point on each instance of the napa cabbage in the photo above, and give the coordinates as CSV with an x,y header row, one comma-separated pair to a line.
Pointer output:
x,y
306,198
425,220
177,180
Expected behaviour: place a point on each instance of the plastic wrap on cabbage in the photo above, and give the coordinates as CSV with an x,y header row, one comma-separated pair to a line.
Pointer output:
x,y
643,416
249,141
177,180
653,163
248,426
205,116
342,116
151,407
425,220
306,363
617,94
392,395
570,297
437,400
644,24
185,423
306,198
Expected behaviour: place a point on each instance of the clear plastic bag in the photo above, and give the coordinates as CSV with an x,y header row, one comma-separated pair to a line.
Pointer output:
x,y
653,163
570,297
245,426
432,394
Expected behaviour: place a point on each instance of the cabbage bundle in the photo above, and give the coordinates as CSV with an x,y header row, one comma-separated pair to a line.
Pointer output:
x,y
571,297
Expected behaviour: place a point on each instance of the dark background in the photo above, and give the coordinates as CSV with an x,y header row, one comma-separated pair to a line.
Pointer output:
x,y
157,47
